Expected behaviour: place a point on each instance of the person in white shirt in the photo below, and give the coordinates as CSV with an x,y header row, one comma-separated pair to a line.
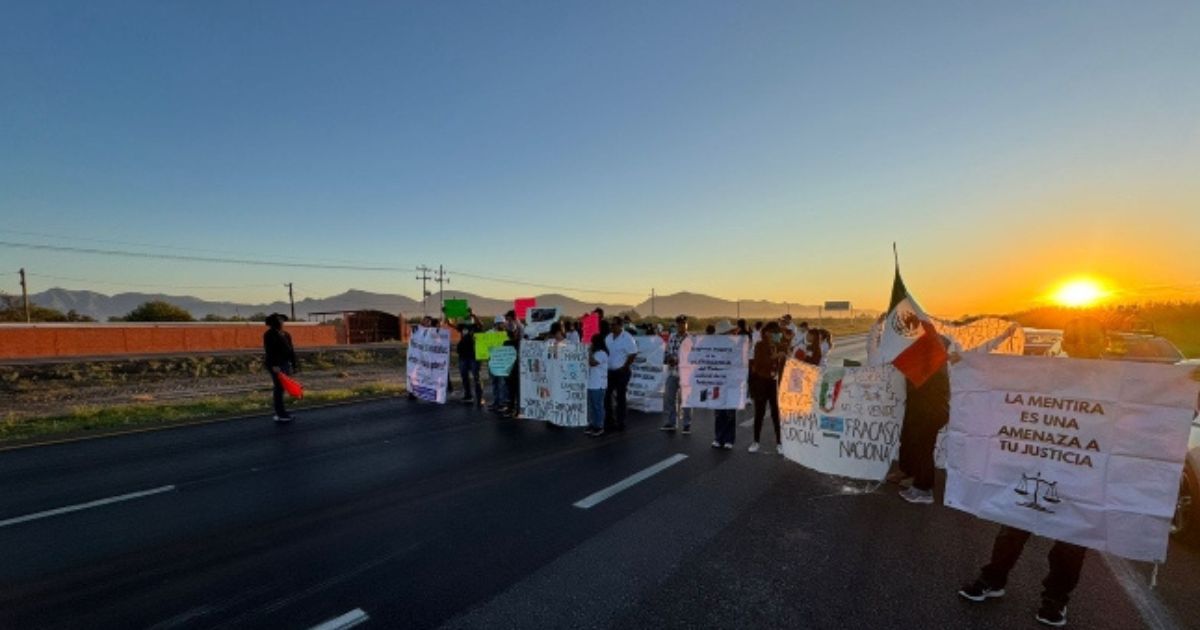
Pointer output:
x,y
597,385
622,350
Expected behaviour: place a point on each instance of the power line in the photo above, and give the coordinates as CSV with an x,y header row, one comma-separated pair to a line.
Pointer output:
x,y
538,285
172,248
187,258
150,285
299,265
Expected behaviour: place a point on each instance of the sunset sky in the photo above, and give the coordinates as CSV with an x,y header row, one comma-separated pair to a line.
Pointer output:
x,y
753,150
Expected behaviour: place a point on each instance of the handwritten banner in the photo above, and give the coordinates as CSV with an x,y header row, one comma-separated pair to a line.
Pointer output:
x,y
554,382
842,421
428,363
713,369
1084,451
648,380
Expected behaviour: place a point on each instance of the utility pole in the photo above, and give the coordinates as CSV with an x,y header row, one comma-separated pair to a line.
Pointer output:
x,y
291,301
424,278
652,302
739,308
442,279
25,294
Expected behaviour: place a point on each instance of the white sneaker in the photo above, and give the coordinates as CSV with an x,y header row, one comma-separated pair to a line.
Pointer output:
x,y
716,444
920,497
728,446
754,447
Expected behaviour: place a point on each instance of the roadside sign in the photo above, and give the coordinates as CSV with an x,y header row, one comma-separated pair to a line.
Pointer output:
x,y
837,306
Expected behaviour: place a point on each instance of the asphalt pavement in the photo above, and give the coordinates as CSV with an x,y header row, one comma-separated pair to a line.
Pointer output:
x,y
396,514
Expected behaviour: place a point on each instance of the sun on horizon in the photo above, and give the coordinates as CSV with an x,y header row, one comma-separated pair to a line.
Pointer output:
x,y
1079,293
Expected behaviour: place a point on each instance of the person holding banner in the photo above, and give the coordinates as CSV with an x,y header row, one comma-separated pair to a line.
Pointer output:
x,y
597,385
926,411
1082,339
672,401
766,366
622,350
280,359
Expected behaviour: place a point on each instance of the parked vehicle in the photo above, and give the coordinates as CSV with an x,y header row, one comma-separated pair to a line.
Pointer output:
x,y
1043,342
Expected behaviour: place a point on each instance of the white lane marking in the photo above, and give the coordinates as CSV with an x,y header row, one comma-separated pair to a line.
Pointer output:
x,y
348,620
84,506
593,499
1153,613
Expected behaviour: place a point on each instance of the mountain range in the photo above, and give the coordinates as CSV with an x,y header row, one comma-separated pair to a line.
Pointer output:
x,y
101,306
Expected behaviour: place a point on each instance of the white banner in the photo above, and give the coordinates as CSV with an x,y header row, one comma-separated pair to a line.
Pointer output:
x,y
428,367
842,421
554,382
1084,451
712,371
648,382
988,334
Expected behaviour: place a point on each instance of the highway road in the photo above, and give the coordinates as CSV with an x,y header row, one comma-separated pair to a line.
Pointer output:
x,y
395,514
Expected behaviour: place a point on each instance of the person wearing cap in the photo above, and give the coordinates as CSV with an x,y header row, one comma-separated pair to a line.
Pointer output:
x,y
468,366
671,398
280,359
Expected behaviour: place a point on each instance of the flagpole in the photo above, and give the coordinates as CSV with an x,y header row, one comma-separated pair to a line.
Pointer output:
x,y
896,254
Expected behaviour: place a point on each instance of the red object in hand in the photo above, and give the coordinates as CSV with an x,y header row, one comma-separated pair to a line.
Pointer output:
x,y
291,386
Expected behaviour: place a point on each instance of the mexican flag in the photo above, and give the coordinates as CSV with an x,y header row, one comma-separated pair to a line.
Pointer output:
x,y
909,340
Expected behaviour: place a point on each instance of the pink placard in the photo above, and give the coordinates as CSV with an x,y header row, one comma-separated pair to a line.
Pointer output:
x,y
591,326
521,305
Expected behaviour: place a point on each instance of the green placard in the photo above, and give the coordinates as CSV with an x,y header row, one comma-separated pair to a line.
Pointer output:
x,y
456,309
485,341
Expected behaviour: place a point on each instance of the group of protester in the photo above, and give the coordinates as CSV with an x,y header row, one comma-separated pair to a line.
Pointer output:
x,y
614,349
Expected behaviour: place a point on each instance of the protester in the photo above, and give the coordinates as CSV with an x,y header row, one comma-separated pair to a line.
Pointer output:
x,y
280,359
597,385
574,329
556,332
500,378
756,336
1082,339
622,350
926,411
468,365
811,346
672,401
765,368
826,343
516,332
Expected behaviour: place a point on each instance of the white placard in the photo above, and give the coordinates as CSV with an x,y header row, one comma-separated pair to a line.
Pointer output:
x,y
428,364
554,382
648,381
1084,451
713,370
842,421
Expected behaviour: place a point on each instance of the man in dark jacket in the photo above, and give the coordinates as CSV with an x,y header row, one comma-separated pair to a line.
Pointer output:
x,y
280,359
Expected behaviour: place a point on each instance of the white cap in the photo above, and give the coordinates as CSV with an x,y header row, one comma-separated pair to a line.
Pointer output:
x,y
499,319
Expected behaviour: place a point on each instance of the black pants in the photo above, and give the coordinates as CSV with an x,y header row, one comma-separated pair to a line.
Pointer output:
x,y
616,397
468,369
925,440
765,392
1066,561
277,391
725,426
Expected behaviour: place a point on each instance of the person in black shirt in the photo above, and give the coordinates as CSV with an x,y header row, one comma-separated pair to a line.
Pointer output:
x,y
280,359
468,366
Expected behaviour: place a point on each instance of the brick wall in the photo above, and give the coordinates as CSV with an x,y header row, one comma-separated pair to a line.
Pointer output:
x,y
25,341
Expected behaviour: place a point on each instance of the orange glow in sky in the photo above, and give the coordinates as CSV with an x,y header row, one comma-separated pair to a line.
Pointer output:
x,y
1080,293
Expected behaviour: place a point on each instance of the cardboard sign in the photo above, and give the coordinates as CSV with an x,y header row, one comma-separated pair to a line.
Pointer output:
x,y
554,382
456,309
522,305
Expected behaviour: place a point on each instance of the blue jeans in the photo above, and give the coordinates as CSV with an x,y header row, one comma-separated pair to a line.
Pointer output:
x,y
596,408
499,391
672,401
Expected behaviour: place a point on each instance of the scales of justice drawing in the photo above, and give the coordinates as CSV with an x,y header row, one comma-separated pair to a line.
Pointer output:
x,y
1039,491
